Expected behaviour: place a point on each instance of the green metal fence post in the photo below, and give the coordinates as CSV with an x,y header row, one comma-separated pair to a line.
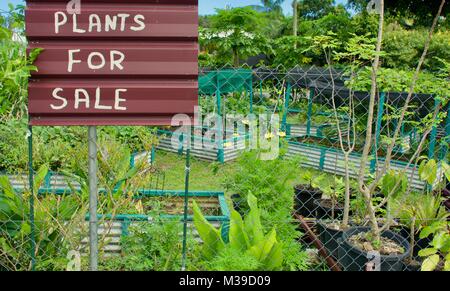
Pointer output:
x,y
309,116
261,89
181,146
251,96
445,147
31,200
373,163
433,134
287,98
219,133
133,160
186,203
152,156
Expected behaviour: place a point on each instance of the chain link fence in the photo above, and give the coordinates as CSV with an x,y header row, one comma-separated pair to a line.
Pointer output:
x,y
280,179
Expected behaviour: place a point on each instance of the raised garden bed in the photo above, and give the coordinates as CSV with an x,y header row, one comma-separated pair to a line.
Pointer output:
x,y
331,160
113,227
204,147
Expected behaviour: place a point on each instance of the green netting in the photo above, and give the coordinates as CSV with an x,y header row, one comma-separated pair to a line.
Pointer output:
x,y
227,81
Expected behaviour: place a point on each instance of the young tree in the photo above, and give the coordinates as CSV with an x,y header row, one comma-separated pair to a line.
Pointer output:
x,y
368,188
237,31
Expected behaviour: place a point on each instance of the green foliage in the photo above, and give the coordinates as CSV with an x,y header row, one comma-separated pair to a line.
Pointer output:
x,y
154,246
428,171
439,250
55,146
411,13
61,147
53,240
314,9
15,64
420,209
393,80
290,51
271,183
272,5
334,188
405,47
313,180
234,35
394,184
245,236
232,259
211,237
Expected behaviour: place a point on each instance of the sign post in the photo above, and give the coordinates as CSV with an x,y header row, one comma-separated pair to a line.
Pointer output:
x,y
117,62
93,198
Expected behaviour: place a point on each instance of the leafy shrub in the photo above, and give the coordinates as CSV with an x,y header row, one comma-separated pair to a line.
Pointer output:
x,y
155,246
404,48
61,147
437,256
53,238
232,259
54,146
393,80
290,51
271,183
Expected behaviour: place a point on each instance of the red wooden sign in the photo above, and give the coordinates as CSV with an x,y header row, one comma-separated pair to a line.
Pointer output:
x,y
117,62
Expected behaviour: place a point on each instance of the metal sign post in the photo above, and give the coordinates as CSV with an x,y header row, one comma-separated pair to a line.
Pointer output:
x,y
93,193
186,203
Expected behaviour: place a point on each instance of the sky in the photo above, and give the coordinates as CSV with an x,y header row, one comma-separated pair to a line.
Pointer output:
x,y
205,6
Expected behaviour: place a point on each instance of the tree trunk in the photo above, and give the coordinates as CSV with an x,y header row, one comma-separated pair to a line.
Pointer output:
x,y
295,27
375,230
295,20
346,218
236,61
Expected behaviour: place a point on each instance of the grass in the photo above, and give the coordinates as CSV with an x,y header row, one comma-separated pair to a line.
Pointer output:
x,y
204,176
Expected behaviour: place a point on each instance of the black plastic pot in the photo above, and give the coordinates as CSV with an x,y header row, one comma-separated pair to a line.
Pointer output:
x,y
324,211
330,238
352,258
411,267
304,200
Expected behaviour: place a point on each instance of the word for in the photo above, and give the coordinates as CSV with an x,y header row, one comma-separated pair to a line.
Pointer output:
x,y
96,60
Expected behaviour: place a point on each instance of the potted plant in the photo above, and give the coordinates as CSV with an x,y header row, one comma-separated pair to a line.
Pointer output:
x,y
331,207
362,245
330,212
416,213
306,194
376,246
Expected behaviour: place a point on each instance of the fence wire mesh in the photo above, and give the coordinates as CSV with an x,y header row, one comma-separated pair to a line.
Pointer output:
x,y
302,208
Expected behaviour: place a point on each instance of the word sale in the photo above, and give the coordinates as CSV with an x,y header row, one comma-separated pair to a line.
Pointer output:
x,y
82,100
